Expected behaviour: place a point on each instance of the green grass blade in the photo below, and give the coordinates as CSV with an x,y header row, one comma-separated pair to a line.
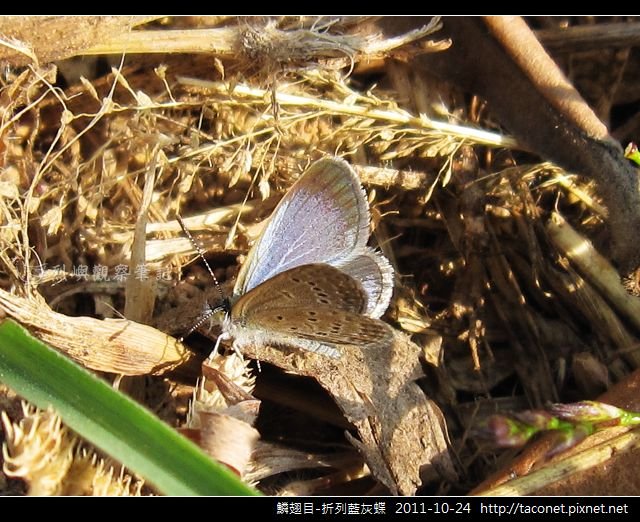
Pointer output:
x,y
110,420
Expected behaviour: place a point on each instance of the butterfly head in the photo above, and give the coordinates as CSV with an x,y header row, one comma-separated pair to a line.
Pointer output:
x,y
224,307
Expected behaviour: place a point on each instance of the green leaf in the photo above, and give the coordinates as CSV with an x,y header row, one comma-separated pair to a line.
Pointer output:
x,y
110,420
631,152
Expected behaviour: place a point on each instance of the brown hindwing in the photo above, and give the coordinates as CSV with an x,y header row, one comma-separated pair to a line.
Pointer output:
x,y
306,286
323,324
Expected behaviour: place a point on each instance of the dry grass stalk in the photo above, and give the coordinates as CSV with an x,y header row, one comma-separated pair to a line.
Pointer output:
x,y
409,127
595,267
615,441
44,39
140,292
305,41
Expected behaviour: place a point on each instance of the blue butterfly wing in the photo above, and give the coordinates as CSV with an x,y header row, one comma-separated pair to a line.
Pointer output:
x,y
323,218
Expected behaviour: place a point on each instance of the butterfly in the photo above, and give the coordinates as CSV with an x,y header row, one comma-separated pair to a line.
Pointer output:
x,y
310,281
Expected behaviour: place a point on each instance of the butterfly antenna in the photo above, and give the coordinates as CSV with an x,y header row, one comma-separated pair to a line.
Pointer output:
x,y
208,313
200,252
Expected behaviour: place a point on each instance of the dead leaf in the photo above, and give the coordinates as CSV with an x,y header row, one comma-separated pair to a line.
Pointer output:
x,y
223,412
401,431
109,345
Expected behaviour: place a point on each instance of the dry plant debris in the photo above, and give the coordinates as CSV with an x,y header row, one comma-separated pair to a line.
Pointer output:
x,y
41,451
223,412
213,119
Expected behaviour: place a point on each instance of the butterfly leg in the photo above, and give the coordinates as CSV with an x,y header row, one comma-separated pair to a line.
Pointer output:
x,y
234,346
221,337
237,349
